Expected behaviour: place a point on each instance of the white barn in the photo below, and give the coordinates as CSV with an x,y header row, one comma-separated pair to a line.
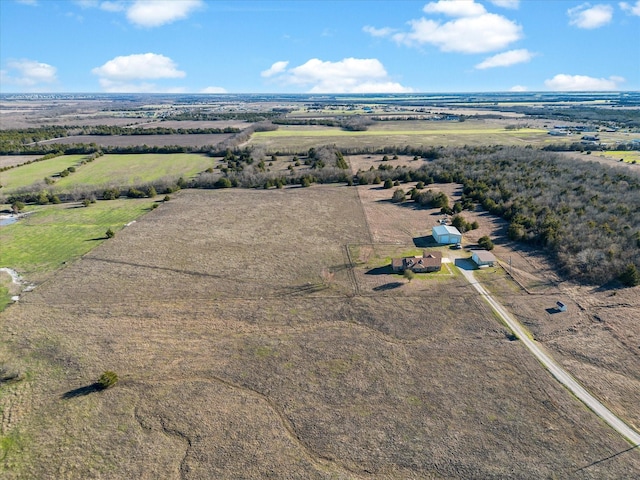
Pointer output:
x,y
446,234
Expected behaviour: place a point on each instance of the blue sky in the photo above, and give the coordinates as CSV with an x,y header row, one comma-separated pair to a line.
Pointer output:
x,y
347,46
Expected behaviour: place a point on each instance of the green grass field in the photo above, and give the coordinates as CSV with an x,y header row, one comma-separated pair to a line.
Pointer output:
x,y
54,234
134,169
628,157
26,175
415,133
106,170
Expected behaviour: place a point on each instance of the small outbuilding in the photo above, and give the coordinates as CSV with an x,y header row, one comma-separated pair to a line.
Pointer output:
x,y
483,258
446,234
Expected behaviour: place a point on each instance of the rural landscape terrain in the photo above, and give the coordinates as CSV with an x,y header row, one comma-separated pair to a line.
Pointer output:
x,y
200,286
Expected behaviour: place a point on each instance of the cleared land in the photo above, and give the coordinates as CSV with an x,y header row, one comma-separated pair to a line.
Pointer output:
x,y
112,169
134,169
239,356
400,133
624,156
422,133
27,175
51,235
192,140
13,160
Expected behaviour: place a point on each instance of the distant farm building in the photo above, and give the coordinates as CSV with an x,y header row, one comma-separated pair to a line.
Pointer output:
x,y
429,262
446,234
483,258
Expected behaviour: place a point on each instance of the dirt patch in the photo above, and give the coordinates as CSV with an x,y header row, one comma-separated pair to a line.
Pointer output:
x,y
15,160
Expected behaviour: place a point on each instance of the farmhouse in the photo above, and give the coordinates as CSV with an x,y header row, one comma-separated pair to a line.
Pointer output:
x,y
483,258
430,261
446,234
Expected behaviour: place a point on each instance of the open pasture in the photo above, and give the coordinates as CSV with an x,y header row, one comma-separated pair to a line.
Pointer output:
x,y
113,169
51,235
415,133
27,175
245,351
132,169
625,156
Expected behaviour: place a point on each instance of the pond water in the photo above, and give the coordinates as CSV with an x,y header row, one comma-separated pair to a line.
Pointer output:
x,y
8,221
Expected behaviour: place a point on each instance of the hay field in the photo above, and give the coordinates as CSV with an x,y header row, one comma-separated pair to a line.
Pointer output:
x,y
51,235
400,133
130,169
239,358
27,175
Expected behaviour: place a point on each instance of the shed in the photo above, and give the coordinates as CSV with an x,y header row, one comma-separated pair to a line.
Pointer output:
x,y
446,234
483,258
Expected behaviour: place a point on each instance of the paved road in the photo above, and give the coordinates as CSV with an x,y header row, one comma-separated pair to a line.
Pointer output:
x,y
556,370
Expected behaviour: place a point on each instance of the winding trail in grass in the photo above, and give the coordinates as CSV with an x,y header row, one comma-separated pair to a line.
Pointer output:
x,y
553,367
320,460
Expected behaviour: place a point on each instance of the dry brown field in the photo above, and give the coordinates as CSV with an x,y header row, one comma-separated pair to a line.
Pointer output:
x,y
248,348
195,124
15,160
596,157
197,140
30,114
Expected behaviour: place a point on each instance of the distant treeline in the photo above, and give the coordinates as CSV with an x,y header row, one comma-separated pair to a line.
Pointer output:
x,y
115,130
629,118
355,123
249,117
25,141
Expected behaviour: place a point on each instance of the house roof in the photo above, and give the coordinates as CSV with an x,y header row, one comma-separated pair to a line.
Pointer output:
x,y
484,255
428,259
432,258
445,230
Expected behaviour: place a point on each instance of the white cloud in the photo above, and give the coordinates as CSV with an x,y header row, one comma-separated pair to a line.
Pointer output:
x,y
480,34
633,9
213,90
513,4
350,75
506,59
139,66
276,68
378,32
86,3
112,6
455,8
124,73
29,74
518,88
566,83
154,13
586,16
